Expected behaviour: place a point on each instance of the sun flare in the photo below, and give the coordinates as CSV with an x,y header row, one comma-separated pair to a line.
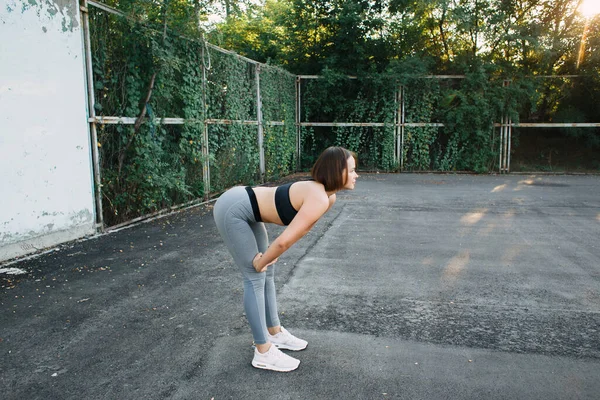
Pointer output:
x,y
590,8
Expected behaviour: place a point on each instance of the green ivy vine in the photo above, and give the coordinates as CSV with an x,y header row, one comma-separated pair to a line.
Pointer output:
x,y
149,166
146,73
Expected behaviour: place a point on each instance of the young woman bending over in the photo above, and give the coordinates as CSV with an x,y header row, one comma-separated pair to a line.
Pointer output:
x,y
240,215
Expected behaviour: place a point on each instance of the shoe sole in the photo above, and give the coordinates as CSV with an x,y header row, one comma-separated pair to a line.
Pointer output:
x,y
286,347
273,367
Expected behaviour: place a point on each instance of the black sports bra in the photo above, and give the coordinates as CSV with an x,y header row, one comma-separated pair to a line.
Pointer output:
x,y
284,207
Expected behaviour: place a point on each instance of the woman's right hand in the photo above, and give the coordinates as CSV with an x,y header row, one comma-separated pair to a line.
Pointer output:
x,y
255,263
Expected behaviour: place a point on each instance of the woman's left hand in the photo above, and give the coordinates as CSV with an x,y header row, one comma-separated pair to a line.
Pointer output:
x,y
255,263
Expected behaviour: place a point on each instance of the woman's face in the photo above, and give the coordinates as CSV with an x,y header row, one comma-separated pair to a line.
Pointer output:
x,y
350,173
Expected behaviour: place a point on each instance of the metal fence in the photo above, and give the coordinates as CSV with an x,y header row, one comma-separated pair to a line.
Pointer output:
x,y
270,121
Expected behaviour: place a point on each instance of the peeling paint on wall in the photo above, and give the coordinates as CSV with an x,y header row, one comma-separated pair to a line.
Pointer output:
x,y
49,198
81,217
66,8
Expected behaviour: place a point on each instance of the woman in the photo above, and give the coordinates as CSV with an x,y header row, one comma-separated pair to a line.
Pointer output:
x,y
240,214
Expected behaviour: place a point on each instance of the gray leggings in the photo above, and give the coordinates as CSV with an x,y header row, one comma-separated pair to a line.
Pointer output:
x,y
244,238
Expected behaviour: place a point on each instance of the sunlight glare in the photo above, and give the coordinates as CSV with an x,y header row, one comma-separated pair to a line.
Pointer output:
x,y
590,8
456,266
522,184
499,188
473,217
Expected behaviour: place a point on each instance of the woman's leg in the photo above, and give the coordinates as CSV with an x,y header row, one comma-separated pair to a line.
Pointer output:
x,y
244,250
233,224
237,225
271,315
281,338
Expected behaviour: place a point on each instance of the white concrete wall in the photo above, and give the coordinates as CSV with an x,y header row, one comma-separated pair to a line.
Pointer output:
x,y
46,181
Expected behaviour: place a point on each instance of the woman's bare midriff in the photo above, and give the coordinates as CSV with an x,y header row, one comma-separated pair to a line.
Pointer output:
x,y
265,197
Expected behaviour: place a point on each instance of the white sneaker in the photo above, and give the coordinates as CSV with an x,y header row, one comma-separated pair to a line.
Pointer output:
x,y
286,341
275,360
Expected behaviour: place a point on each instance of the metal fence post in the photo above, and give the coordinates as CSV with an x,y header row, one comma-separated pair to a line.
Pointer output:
x,y
92,114
259,119
501,146
505,138
205,150
396,124
509,134
298,119
401,127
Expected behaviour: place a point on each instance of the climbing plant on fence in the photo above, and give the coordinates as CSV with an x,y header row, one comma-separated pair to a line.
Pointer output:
x,y
422,144
146,73
469,113
336,98
465,110
230,96
279,104
144,166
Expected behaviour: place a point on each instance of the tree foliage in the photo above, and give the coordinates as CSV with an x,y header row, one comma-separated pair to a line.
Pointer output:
x,y
487,40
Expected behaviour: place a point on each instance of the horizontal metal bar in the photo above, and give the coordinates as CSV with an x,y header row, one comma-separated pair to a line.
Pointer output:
x,y
437,124
553,76
424,76
249,60
343,124
106,8
181,121
229,122
422,124
444,76
177,121
449,76
240,122
553,125
233,53
374,124
131,120
320,76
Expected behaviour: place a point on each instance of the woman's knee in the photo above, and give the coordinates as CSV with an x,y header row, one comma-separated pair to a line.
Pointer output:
x,y
256,279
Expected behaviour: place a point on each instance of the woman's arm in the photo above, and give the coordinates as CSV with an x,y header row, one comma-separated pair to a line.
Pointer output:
x,y
315,205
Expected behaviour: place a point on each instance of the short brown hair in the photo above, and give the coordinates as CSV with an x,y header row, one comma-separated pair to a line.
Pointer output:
x,y
330,166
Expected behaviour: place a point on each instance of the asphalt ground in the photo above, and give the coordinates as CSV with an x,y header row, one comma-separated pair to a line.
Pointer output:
x,y
413,286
